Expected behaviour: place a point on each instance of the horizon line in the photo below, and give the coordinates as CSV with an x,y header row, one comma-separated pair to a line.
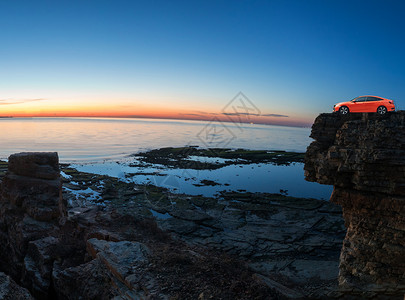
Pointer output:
x,y
214,119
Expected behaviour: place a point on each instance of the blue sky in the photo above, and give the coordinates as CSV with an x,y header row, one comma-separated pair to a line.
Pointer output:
x,y
294,58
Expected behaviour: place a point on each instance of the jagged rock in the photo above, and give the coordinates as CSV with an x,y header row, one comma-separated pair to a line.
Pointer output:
x,y
85,281
113,272
21,229
363,156
120,258
9,290
39,198
38,265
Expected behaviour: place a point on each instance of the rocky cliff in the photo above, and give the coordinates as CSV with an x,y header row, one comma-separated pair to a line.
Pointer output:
x,y
363,157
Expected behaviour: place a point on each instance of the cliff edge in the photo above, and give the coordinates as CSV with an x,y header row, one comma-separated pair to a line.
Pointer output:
x,y
363,157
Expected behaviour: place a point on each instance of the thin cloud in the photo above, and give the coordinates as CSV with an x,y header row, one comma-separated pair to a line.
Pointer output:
x,y
198,114
240,114
256,115
20,101
274,115
205,113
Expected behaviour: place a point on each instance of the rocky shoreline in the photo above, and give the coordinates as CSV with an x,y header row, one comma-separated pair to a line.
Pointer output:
x,y
68,234
238,245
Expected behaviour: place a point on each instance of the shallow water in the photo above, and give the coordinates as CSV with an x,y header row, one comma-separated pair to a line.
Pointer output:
x,y
267,178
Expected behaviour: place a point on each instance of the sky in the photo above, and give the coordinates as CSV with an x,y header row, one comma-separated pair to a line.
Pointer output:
x,y
291,60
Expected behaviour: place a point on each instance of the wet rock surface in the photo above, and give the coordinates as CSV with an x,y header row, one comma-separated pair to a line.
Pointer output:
x,y
362,155
132,241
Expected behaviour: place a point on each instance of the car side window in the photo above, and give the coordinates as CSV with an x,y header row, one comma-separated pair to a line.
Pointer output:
x,y
360,99
373,99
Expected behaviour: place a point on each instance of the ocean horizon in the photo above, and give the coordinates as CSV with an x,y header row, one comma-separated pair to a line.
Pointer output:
x,y
106,146
84,139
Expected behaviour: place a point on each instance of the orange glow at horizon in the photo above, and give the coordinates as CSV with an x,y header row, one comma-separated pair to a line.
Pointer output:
x,y
134,111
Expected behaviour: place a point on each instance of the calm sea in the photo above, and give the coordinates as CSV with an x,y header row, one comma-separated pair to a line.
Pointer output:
x,y
102,146
99,139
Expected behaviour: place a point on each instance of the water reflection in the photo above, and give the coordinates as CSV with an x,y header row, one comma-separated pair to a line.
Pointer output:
x,y
266,178
98,139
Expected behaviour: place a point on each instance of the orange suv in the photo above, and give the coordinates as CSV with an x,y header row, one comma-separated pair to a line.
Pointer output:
x,y
365,104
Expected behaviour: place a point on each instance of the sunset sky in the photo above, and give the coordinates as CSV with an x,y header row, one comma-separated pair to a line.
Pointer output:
x,y
189,59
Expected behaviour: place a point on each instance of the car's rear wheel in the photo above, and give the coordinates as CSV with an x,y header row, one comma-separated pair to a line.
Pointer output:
x,y
344,110
381,110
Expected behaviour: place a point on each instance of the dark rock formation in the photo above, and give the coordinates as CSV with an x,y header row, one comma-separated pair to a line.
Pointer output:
x,y
9,290
33,185
363,156
40,165
146,242
100,253
31,207
113,263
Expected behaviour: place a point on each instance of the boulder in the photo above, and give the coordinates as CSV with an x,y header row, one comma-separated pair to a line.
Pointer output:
x,y
41,165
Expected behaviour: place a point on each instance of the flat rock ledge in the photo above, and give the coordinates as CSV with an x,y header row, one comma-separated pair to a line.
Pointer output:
x,y
363,156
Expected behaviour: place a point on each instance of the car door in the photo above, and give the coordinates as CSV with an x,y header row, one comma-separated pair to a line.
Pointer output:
x,y
373,103
359,104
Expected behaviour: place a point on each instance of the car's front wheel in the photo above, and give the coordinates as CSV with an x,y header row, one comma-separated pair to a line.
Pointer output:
x,y
344,110
381,110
